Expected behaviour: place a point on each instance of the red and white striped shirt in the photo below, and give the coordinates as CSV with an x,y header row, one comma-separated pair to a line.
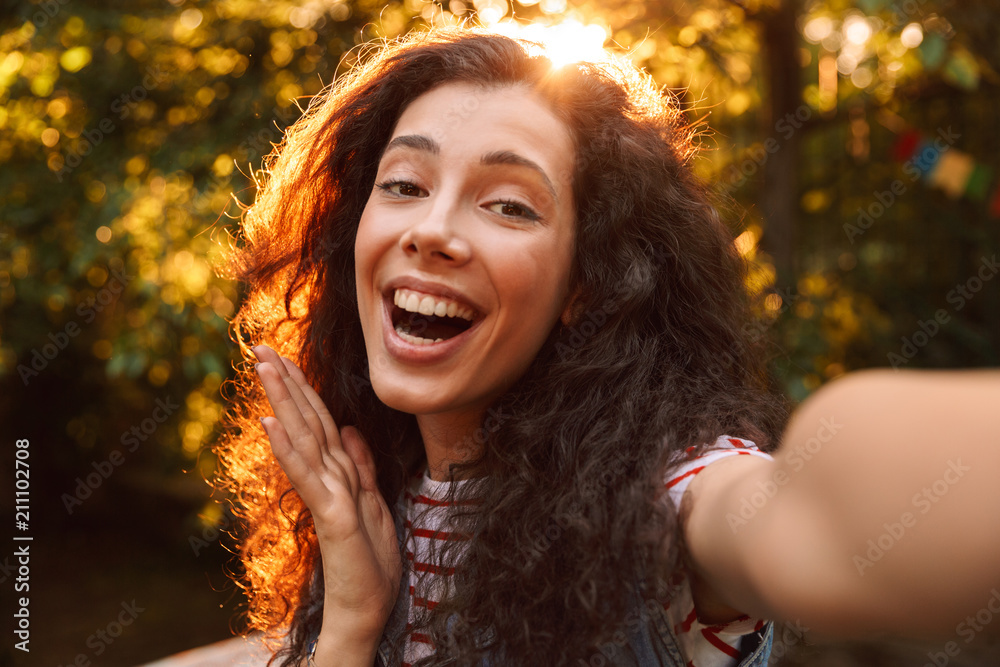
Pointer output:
x,y
427,527
706,645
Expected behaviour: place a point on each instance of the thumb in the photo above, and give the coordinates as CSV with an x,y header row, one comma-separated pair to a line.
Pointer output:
x,y
356,447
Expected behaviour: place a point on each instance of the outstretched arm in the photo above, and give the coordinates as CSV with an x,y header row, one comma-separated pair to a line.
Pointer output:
x,y
880,512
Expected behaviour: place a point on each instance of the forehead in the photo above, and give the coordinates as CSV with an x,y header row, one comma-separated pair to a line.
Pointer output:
x,y
468,119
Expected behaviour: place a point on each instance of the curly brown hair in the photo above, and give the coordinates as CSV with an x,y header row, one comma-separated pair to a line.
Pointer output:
x,y
569,464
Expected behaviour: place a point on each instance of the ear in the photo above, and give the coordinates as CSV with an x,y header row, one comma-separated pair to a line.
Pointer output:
x,y
574,308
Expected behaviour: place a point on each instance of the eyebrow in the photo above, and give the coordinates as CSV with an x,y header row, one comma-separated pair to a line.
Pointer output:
x,y
415,141
423,143
511,158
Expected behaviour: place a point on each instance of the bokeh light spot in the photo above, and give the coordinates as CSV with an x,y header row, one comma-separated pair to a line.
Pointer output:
x,y
75,59
159,373
101,349
97,276
817,29
912,35
190,18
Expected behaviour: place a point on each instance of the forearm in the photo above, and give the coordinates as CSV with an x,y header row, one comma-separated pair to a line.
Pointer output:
x,y
881,511
347,639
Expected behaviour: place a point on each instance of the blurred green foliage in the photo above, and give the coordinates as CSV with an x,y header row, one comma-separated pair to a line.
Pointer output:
x,y
128,133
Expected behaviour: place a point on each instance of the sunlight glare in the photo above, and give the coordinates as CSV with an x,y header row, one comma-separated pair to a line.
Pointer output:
x,y
564,43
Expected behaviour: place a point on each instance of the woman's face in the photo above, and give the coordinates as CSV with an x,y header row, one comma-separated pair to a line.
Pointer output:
x,y
464,248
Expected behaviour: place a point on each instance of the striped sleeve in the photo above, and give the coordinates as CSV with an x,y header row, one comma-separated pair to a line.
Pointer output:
x,y
680,475
716,645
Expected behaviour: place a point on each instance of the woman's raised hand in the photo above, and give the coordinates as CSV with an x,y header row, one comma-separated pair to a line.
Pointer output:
x,y
333,471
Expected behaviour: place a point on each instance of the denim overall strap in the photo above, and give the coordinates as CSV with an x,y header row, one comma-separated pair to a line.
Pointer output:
x,y
650,653
759,656
650,638
643,640
653,643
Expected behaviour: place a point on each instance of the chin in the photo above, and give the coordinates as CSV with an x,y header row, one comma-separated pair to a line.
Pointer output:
x,y
407,396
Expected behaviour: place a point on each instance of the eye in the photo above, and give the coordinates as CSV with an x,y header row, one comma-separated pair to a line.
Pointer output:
x,y
401,188
512,209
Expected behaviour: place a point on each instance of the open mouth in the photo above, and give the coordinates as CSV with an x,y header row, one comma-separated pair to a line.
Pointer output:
x,y
423,319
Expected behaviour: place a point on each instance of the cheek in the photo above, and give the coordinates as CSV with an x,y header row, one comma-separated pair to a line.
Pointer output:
x,y
369,245
536,280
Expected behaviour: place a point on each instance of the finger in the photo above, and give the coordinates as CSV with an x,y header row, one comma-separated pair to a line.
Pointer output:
x,y
318,419
358,450
289,413
312,420
315,400
300,473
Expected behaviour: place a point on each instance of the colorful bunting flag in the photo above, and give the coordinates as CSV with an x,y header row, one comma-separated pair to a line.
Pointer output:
x,y
995,203
951,172
906,145
979,183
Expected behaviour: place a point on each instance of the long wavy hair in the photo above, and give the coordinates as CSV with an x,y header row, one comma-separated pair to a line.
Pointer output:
x,y
568,467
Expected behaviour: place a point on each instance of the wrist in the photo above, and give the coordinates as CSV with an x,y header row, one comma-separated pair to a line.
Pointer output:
x,y
339,649
364,619
362,626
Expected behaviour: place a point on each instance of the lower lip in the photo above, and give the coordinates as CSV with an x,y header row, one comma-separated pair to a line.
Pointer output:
x,y
406,351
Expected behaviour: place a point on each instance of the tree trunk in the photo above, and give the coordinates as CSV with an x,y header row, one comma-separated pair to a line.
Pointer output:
x,y
780,200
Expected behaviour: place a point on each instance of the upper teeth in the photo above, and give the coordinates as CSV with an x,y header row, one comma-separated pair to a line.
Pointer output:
x,y
425,304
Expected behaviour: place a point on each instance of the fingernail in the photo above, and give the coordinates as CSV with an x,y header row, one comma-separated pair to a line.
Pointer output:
x,y
254,350
256,367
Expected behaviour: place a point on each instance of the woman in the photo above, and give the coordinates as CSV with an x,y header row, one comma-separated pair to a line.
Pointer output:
x,y
521,325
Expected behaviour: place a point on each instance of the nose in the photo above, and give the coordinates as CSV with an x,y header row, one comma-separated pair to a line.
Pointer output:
x,y
436,237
